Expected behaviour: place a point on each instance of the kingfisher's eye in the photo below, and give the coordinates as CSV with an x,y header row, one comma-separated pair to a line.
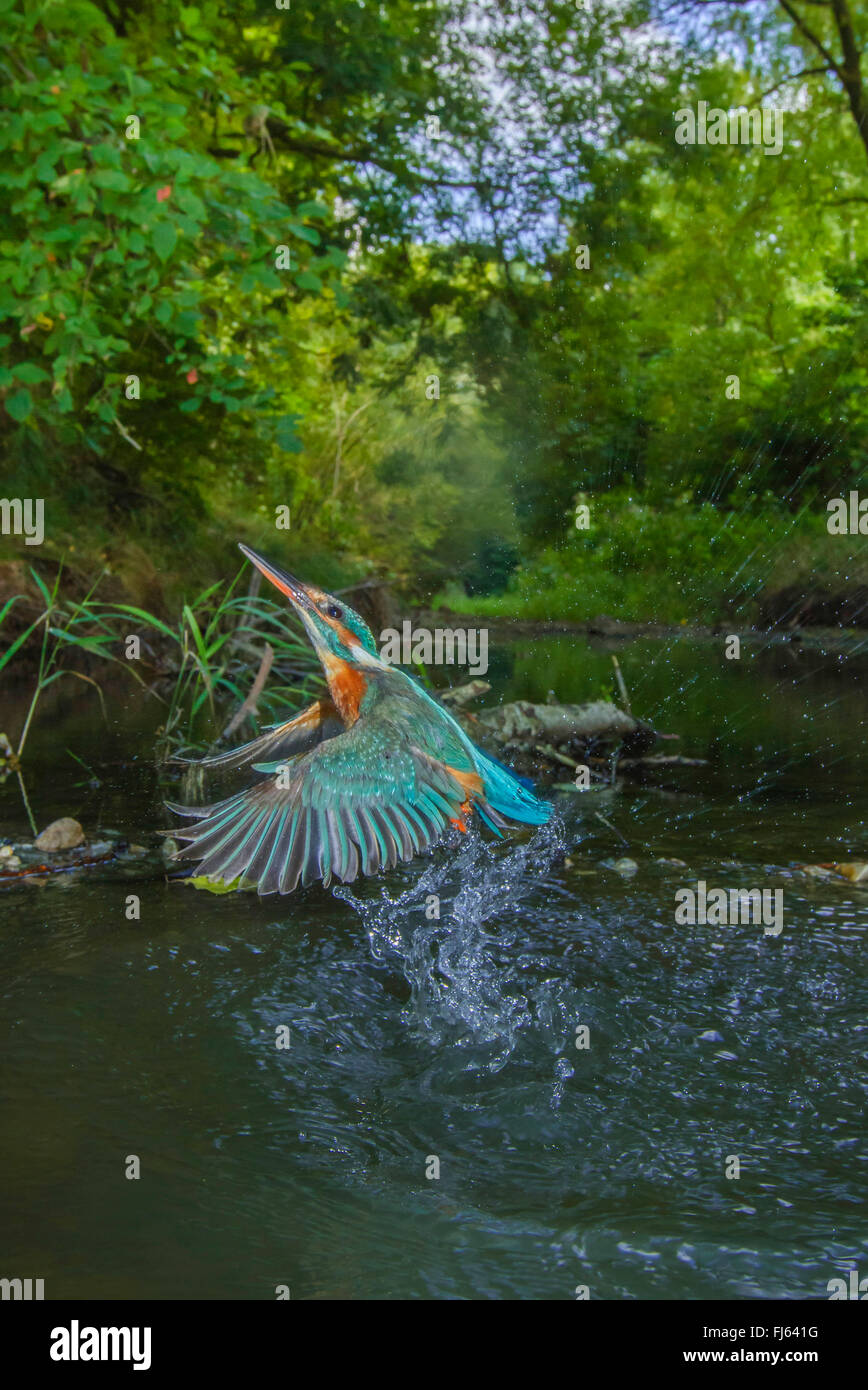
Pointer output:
x,y
333,611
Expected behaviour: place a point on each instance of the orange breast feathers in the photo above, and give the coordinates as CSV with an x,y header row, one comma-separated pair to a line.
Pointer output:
x,y
347,686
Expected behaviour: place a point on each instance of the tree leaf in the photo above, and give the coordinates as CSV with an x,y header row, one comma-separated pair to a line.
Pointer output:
x,y
19,404
306,280
29,372
113,179
164,239
210,886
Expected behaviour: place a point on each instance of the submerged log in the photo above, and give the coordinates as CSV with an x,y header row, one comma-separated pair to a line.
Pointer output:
x,y
462,694
522,722
544,738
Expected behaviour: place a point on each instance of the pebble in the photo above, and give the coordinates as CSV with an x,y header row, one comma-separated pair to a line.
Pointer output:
x,y
625,867
64,833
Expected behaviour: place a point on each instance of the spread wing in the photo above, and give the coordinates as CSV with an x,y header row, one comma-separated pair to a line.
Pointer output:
x,y
354,804
315,724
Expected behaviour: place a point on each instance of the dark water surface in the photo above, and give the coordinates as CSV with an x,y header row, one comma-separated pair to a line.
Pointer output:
x,y
414,1038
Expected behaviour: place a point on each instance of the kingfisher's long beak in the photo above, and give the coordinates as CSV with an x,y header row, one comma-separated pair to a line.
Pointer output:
x,y
286,583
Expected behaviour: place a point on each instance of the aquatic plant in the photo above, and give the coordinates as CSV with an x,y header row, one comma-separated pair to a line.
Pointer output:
x,y
205,660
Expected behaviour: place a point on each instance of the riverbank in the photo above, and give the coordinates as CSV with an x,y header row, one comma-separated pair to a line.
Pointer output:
x,y
636,569
686,564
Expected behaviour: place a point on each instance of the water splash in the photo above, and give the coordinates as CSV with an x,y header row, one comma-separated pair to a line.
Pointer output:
x,y
454,936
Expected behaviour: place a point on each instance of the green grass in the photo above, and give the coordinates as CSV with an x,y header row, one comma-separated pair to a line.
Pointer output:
x,y
200,665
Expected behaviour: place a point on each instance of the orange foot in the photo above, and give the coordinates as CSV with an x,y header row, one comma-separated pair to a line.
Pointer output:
x,y
459,821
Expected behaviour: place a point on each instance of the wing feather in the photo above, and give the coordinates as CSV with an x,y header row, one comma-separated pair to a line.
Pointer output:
x,y
283,885
356,802
320,721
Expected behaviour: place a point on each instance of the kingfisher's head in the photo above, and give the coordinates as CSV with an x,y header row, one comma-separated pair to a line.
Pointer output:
x,y
342,640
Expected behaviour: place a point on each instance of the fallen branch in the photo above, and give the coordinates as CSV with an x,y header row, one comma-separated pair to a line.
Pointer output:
x,y
662,760
625,698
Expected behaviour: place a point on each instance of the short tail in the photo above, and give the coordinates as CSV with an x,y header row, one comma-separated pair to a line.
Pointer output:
x,y
509,795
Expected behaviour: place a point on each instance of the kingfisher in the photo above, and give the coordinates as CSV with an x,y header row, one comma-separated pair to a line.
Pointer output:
x,y
369,776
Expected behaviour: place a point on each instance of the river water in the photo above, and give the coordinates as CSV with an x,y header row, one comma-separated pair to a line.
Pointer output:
x,y
419,1044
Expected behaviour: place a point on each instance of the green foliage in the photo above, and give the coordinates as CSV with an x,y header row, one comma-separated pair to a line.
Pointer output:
x,y
123,238
166,385
688,562
207,657
489,570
